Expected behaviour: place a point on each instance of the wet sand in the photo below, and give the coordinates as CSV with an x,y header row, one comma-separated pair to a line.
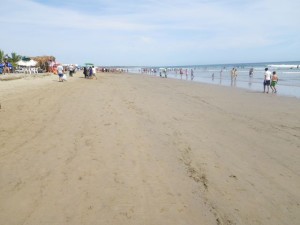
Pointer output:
x,y
132,149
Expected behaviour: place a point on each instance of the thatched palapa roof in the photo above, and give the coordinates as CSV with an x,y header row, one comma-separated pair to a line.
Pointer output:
x,y
43,61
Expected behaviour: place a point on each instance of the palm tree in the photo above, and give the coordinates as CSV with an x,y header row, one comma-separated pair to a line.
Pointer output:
x,y
14,59
1,56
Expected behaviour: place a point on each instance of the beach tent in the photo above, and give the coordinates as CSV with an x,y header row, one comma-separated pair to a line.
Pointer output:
x,y
25,58
27,63
31,63
9,65
89,64
21,63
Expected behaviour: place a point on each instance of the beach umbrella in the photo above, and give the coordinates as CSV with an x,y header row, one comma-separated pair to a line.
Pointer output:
x,y
89,64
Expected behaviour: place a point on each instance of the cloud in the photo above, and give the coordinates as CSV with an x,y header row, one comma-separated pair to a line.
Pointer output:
x,y
125,30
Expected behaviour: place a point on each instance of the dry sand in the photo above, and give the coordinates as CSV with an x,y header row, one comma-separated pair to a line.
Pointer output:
x,y
141,150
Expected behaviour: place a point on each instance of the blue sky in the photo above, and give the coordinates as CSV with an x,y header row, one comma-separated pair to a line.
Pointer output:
x,y
152,32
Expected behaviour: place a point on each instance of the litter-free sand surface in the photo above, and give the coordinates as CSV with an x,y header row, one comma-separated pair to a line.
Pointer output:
x,y
141,150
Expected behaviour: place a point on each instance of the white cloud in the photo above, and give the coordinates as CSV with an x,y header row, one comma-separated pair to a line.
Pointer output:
x,y
131,28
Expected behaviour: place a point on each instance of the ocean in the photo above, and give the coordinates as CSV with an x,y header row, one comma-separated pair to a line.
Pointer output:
x,y
219,74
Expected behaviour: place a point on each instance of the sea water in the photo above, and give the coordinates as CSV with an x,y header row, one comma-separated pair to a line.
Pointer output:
x,y
220,74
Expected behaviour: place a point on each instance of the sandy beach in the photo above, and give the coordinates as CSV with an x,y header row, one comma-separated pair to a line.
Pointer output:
x,y
134,149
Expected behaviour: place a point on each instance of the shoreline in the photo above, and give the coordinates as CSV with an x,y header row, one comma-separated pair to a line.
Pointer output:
x,y
254,84
28,81
256,87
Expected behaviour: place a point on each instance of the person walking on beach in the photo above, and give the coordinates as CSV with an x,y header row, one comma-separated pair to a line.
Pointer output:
x,y
186,74
274,81
85,72
94,72
251,72
181,73
233,76
165,72
267,80
192,74
90,72
6,67
71,70
60,72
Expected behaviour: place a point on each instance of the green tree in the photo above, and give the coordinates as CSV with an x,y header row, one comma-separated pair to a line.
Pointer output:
x,y
1,56
14,59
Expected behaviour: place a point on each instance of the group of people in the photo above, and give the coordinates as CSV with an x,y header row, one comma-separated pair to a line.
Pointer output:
x,y
185,72
5,68
165,73
89,72
270,80
61,70
233,74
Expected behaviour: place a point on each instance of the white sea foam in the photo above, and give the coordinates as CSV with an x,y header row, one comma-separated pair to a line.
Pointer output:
x,y
285,66
291,72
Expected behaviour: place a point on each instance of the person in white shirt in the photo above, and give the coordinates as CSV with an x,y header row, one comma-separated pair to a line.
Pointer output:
x,y
267,80
94,72
60,72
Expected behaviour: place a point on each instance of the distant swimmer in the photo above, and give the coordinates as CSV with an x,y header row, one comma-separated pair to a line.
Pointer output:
x,y
251,72
181,73
232,74
165,72
235,74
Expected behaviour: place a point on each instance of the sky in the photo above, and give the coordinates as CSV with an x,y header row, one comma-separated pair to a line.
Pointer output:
x,y
152,32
